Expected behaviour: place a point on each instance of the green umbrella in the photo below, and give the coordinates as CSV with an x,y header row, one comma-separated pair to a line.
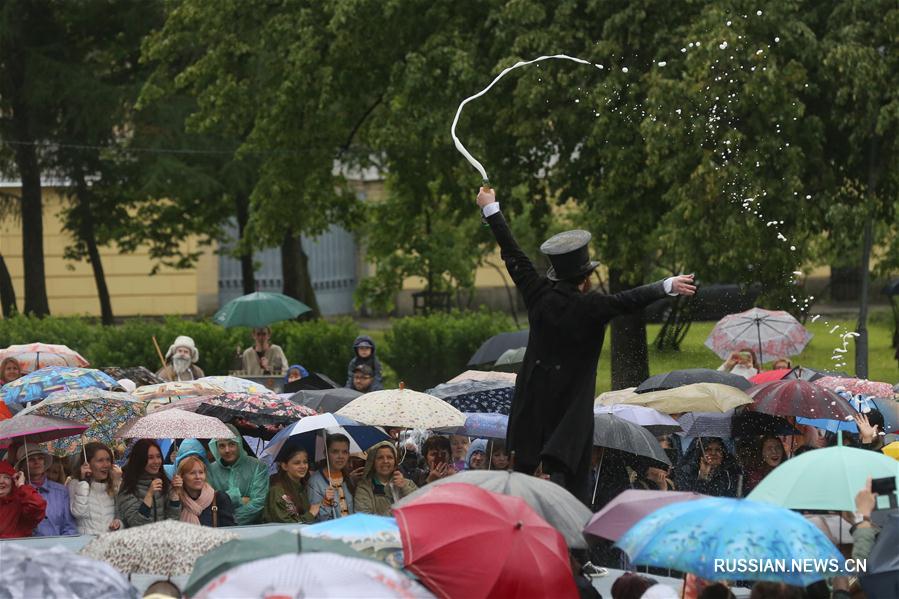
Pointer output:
x,y
824,479
239,551
259,309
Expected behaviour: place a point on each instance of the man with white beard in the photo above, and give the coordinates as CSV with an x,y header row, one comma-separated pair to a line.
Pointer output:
x,y
181,361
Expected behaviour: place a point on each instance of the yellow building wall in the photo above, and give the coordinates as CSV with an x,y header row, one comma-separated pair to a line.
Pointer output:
x,y
133,291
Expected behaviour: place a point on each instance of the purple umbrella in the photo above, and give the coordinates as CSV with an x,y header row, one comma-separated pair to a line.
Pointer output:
x,y
482,425
625,510
39,428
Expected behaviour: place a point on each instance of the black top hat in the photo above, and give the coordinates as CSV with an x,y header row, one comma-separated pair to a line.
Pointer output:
x,y
569,254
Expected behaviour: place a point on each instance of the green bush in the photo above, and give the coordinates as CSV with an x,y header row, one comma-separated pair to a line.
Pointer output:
x,y
318,345
428,350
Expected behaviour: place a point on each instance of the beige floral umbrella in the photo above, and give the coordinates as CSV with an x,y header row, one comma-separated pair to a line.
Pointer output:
x,y
175,424
698,397
402,408
161,394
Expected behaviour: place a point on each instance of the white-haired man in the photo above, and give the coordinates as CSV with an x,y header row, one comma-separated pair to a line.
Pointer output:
x,y
181,361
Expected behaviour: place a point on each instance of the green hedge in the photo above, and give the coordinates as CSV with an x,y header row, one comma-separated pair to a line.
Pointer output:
x,y
425,351
318,345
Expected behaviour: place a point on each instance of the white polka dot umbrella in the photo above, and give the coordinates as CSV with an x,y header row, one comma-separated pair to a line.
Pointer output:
x,y
402,408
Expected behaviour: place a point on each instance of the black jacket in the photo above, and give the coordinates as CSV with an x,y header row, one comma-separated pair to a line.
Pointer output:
x,y
552,413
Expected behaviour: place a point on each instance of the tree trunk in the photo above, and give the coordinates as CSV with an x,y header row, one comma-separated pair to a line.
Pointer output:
x,y
861,341
88,235
7,291
630,356
295,273
247,274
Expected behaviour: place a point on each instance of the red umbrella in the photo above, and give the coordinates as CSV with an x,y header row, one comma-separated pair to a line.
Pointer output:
x,y
794,397
769,375
620,514
856,386
464,541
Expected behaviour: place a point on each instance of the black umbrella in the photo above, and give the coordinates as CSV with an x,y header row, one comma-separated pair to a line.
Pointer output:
x,y
140,375
803,373
477,396
315,380
494,347
325,400
615,433
689,376
708,424
749,423
882,578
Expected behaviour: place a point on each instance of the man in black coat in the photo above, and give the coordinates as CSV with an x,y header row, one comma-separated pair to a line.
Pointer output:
x,y
551,424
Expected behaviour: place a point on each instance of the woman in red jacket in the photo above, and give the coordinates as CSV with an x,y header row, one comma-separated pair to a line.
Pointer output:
x,y
21,506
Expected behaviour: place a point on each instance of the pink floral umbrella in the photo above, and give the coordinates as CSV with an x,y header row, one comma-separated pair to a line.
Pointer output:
x,y
856,386
34,356
773,334
175,424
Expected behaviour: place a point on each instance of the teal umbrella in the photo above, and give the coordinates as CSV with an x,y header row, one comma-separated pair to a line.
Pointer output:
x,y
259,309
239,551
824,479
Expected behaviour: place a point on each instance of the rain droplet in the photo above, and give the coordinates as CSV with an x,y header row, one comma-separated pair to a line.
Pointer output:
x,y
662,63
624,69
758,13
722,45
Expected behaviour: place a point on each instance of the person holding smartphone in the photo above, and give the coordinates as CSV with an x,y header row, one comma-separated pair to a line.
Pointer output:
x,y
383,484
742,362
146,494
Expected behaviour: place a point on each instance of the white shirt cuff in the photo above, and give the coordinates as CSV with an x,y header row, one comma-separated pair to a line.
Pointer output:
x,y
490,209
668,284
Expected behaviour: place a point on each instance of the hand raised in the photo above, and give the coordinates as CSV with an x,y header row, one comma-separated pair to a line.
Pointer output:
x,y
486,196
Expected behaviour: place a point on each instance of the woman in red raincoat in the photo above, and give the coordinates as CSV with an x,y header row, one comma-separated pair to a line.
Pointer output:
x,y
21,506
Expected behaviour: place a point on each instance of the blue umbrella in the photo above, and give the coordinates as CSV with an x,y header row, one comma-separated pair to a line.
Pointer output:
x,y
39,384
305,432
847,426
477,396
708,537
482,425
376,536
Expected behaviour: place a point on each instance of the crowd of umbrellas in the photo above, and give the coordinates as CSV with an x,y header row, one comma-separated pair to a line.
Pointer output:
x,y
478,533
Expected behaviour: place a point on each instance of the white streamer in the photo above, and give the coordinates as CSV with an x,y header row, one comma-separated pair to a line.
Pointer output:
x,y
471,159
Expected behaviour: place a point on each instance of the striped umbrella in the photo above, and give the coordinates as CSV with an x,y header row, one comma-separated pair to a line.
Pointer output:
x,y
34,356
41,383
772,333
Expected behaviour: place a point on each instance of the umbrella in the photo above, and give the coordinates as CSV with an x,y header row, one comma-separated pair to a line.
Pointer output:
x,y
747,423
325,400
54,572
256,409
234,384
770,375
773,333
41,383
689,376
34,356
698,397
652,420
708,424
166,548
39,428
375,536
139,375
882,578
485,375
892,450
733,424
481,425
497,546
794,397
402,408
315,381
104,412
305,432
823,479
615,433
510,360
626,509
239,551
259,309
831,426
890,410
324,575
856,386
551,501
610,398
494,347
811,374
692,536
175,424
477,396
176,390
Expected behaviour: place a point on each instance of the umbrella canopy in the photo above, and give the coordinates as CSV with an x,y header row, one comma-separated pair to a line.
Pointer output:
x,y
805,373
325,400
139,375
239,551
611,398
708,424
733,424
698,397
39,428
376,536
612,432
484,375
234,384
890,410
493,348
748,423
481,425
477,395
882,578
249,408
34,356
325,575
772,334
510,360
691,536
41,383
770,375
54,572
551,501
259,309
652,420
892,450
823,479
690,376
305,432
403,408
166,548
497,546
629,507
104,412
794,397
856,386
175,390
175,424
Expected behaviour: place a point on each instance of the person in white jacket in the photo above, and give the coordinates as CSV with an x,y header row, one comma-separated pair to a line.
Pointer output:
x,y
92,495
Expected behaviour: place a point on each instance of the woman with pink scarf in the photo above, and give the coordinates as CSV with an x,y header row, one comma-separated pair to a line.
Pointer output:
x,y
200,503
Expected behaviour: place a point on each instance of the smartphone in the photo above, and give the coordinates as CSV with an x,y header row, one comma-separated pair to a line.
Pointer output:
x,y
883,486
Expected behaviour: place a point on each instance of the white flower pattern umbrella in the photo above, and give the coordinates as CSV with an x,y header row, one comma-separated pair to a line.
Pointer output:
x,y
403,408
771,333
175,424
